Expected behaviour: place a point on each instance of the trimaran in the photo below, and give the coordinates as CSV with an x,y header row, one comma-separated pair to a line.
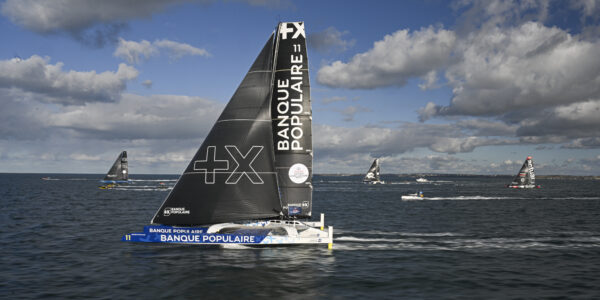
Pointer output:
x,y
526,177
250,182
118,173
372,176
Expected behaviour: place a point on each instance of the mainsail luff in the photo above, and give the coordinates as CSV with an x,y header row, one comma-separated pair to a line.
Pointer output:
x,y
232,176
373,173
119,171
292,121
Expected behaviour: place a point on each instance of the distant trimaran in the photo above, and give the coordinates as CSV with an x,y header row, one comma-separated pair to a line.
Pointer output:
x,y
372,176
526,177
118,172
250,183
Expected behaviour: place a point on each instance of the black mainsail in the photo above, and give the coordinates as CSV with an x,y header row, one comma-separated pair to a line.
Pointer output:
x,y
238,172
526,177
119,170
373,173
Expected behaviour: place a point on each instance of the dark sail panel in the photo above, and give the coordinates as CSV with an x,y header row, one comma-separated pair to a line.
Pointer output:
x,y
526,175
373,173
119,170
292,121
232,177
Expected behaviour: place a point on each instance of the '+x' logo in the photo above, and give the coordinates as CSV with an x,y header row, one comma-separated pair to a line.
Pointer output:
x,y
210,165
299,28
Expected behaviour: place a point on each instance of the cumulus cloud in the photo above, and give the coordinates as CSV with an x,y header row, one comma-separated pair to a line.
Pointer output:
x,y
85,157
95,23
393,60
573,120
529,66
140,117
484,127
37,75
517,76
349,112
91,22
329,40
177,50
583,143
147,83
135,52
334,99
377,141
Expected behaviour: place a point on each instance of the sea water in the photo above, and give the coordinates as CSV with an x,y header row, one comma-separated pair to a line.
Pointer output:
x,y
470,237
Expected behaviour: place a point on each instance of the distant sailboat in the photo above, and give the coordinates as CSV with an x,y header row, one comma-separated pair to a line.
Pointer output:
x,y
526,177
119,172
372,176
250,183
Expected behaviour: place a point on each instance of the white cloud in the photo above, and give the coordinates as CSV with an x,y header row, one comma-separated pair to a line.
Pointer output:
x,y
334,99
85,157
147,83
429,81
136,52
74,15
393,60
350,111
94,23
140,117
573,120
177,50
529,66
377,141
37,75
329,40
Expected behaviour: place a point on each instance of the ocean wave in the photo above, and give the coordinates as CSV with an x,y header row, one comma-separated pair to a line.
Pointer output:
x,y
452,243
155,180
476,197
141,189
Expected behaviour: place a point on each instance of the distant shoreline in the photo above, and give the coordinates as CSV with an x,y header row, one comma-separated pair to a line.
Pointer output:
x,y
583,177
550,177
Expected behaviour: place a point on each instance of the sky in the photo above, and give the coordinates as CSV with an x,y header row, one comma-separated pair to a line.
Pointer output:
x,y
426,86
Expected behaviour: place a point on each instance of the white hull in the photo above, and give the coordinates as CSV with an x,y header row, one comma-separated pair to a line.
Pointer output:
x,y
412,197
527,186
374,182
253,234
